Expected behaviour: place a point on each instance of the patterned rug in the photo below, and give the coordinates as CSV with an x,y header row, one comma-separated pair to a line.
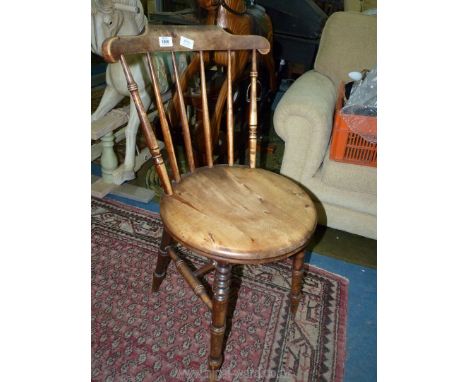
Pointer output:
x,y
141,336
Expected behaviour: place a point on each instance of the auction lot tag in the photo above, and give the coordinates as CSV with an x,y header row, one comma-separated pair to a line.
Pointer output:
x,y
188,43
165,41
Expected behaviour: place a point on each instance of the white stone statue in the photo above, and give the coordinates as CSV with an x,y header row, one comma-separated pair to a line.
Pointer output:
x,y
122,17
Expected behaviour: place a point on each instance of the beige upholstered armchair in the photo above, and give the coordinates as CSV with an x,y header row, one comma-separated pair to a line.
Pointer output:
x,y
345,194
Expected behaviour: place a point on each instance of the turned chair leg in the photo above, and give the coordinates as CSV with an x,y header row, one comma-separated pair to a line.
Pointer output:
x,y
162,262
218,318
296,283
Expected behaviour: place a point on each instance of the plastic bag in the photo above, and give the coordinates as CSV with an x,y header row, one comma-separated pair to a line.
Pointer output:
x,y
362,102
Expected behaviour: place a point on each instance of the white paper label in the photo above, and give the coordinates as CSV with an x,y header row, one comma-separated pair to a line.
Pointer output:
x,y
188,43
165,41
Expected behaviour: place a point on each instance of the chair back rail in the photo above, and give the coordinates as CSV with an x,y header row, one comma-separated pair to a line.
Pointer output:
x,y
162,117
183,116
205,37
151,140
230,116
253,111
206,113
201,39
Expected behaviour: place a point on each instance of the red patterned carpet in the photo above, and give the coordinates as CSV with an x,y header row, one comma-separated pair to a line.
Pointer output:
x,y
140,336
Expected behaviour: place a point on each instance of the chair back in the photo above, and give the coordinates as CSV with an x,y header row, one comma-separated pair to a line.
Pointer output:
x,y
202,40
348,43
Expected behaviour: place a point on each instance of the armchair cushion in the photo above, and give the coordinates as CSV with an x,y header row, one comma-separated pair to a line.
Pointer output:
x,y
348,176
352,200
303,119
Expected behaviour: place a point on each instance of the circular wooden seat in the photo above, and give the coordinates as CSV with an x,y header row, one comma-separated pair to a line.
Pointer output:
x,y
239,214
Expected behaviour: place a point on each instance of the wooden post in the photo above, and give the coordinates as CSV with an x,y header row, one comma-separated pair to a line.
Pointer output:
x,y
183,117
253,111
297,272
208,267
162,118
151,140
192,281
206,114
218,317
162,262
229,116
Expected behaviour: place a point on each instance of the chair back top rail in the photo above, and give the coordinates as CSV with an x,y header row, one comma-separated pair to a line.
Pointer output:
x,y
181,38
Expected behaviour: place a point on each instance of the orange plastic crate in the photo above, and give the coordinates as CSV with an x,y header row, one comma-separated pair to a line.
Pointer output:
x,y
347,146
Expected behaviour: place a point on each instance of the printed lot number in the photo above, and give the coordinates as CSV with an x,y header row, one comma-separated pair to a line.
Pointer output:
x,y
165,41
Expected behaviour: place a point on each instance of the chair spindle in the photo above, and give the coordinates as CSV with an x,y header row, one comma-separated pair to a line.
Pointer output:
x,y
162,117
183,116
151,140
206,116
230,116
253,110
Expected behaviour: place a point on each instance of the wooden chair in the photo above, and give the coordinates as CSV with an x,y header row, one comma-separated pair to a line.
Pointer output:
x,y
228,213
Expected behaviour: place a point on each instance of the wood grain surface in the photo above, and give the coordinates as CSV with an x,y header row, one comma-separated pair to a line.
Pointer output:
x,y
204,37
239,214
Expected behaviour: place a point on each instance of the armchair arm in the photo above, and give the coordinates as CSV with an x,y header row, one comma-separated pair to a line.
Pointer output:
x,y
303,119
